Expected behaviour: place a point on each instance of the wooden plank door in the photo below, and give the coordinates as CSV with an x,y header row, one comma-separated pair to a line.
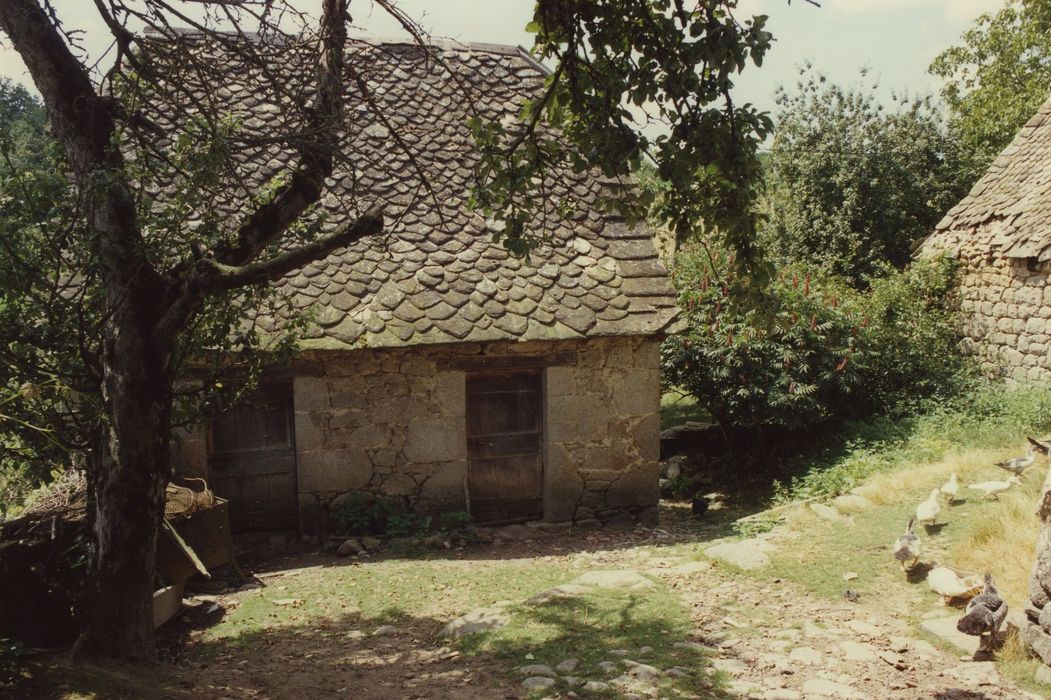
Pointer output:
x,y
252,461
504,445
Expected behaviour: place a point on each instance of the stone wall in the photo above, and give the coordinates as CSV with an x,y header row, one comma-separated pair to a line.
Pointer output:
x,y
1006,305
393,422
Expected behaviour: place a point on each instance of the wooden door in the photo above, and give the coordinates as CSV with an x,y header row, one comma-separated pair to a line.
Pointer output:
x,y
252,460
504,445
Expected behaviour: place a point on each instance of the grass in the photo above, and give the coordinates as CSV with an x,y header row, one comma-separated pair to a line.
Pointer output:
x,y
678,408
608,625
893,466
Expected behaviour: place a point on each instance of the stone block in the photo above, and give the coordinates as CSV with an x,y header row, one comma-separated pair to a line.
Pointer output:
x,y
637,487
647,436
648,354
577,417
563,485
559,381
636,392
333,470
310,394
436,440
450,390
369,437
443,490
310,434
398,485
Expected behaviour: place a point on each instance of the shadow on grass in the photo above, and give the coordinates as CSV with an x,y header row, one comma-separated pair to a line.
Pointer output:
x,y
321,656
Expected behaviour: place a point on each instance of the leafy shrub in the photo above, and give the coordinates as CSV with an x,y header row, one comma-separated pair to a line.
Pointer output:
x,y
814,347
405,524
362,514
455,521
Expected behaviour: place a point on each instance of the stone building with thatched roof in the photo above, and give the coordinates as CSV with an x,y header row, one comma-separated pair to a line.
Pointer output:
x,y
438,369
1001,235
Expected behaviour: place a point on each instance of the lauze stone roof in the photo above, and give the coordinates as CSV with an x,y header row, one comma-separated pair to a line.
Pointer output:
x,y
435,275
1011,204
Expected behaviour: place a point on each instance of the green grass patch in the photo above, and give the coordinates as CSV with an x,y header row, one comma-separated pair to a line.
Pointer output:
x,y
989,416
678,408
605,626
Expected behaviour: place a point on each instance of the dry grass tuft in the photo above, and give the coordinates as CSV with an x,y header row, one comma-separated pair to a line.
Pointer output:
x,y
970,466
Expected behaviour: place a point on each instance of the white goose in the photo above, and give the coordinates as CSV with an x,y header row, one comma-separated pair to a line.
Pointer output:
x,y
950,488
927,511
994,488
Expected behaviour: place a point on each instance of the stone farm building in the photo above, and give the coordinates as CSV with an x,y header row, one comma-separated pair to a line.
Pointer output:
x,y
439,369
1001,234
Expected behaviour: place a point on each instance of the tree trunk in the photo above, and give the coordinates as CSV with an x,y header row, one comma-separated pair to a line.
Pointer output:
x,y
127,487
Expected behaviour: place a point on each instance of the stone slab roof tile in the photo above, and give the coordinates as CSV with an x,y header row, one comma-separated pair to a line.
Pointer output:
x,y
1009,206
436,275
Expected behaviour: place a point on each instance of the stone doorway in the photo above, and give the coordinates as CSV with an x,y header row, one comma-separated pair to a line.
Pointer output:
x,y
505,445
252,461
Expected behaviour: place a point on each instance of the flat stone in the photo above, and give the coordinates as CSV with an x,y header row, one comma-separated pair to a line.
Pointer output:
x,y
690,568
858,651
825,688
782,694
596,687
384,631
566,590
975,673
944,628
746,554
568,666
478,620
614,578
538,683
862,627
695,646
607,666
1043,674
538,670
806,655
730,666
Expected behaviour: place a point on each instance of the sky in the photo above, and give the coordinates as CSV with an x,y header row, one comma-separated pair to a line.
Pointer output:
x,y
894,39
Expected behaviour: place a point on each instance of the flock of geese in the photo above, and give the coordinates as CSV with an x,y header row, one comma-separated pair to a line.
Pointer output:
x,y
985,610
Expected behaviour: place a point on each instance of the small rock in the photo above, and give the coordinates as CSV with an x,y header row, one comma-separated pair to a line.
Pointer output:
x,y
566,590
567,666
384,631
975,674
645,649
538,670
677,672
619,652
538,683
371,543
643,672
607,666
350,547
571,681
596,687
781,694
354,634
436,542
850,576
478,620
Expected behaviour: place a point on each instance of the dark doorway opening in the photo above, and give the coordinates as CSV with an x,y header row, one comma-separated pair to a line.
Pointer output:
x,y
252,461
505,445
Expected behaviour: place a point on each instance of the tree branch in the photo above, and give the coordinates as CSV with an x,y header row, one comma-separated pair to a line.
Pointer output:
x,y
306,184
217,276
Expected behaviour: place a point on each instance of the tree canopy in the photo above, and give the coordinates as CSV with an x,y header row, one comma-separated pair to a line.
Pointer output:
x,y
147,275
997,78
851,185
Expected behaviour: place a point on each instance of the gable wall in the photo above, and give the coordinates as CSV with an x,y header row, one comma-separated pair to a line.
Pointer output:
x,y
393,422
1006,311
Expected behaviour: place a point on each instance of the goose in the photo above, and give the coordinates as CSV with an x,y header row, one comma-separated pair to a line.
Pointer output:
x,y
907,547
1042,447
1017,465
949,584
927,511
951,487
984,615
993,488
